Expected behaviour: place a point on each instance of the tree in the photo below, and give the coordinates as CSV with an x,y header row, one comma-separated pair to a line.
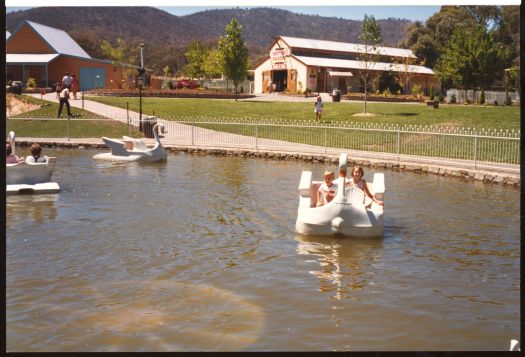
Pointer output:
x,y
371,36
234,54
472,59
121,56
195,56
405,70
212,64
166,72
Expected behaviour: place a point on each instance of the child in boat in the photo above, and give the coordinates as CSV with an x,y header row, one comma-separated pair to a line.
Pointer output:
x,y
327,190
9,157
35,157
358,181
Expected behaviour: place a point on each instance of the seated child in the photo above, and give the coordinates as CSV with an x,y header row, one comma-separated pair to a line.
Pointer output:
x,y
9,157
358,181
35,157
327,190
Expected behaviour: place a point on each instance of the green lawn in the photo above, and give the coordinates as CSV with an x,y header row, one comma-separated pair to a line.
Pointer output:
x,y
474,116
42,123
277,114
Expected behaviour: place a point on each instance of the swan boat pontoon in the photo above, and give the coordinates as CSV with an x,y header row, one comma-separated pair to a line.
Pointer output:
x,y
28,178
347,214
130,149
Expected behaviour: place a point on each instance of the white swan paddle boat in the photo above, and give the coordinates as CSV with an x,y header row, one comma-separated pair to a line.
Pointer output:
x,y
130,149
347,214
27,178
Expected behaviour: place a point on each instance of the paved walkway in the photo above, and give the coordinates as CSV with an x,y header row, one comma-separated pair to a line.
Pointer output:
x,y
192,136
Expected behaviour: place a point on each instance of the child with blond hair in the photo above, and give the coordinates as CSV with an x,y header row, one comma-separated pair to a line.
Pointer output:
x,y
327,190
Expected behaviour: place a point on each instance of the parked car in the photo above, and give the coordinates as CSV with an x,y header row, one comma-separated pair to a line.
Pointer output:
x,y
186,83
16,87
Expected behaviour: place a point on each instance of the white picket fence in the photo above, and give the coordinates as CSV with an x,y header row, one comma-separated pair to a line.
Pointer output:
x,y
490,96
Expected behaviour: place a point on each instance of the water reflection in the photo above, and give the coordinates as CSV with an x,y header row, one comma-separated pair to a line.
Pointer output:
x,y
39,208
343,261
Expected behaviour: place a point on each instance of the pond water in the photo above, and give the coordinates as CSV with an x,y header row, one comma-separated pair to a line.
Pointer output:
x,y
199,254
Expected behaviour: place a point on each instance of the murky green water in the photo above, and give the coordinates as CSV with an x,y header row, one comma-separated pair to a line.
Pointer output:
x,y
199,254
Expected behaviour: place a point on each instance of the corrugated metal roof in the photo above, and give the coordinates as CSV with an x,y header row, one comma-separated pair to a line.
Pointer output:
x,y
24,58
59,40
345,47
340,74
376,66
7,34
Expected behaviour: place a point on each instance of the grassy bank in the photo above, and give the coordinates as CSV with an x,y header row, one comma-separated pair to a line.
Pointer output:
x,y
474,116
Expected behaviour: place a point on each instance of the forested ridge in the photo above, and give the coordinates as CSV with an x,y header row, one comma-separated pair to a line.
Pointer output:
x,y
167,36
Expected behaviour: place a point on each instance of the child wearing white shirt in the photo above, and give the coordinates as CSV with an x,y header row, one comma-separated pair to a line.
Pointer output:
x,y
327,190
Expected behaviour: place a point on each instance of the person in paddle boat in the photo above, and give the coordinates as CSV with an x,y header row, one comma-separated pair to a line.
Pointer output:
x,y
358,181
327,190
35,157
9,157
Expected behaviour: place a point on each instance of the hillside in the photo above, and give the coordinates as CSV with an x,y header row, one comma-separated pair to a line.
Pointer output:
x,y
166,35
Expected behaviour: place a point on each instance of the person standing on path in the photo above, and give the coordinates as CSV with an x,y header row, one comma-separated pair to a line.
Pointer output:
x,y
318,109
66,80
64,99
74,86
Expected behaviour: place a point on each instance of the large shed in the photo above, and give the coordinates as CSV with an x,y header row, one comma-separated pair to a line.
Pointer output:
x,y
46,53
295,64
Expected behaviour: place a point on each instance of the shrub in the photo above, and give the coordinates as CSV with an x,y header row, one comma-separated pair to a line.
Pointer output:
x,y
508,101
386,92
170,85
482,97
31,83
431,94
416,90
453,99
300,87
495,102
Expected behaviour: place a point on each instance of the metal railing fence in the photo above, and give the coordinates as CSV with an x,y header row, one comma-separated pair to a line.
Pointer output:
x,y
477,148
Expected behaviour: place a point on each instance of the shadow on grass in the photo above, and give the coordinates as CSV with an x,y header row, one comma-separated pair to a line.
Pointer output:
x,y
401,114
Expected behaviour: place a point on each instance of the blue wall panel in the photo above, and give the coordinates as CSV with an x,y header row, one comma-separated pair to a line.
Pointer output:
x,y
92,77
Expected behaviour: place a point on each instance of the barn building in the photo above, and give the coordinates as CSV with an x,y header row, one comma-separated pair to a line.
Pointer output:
x,y
46,54
295,64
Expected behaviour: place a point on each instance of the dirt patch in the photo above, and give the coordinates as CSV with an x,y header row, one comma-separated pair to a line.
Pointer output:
x,y
15,106
364,115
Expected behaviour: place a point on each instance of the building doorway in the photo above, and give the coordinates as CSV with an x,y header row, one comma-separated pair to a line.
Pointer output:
x,y
279,79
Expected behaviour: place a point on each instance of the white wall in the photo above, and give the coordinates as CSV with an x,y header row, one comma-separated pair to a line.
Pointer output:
x,y
258,75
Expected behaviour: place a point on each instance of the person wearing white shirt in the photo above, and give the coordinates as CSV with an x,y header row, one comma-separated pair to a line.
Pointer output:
x,y
327,190
67,80
35,157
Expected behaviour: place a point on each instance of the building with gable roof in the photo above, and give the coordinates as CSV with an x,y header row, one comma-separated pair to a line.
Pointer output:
x,y
298,63
46,53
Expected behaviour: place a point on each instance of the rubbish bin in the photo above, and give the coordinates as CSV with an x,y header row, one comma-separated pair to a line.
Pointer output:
x,y
336,95
147,126
16,87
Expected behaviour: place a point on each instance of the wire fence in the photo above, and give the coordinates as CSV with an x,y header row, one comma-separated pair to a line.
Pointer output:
x,y
472,147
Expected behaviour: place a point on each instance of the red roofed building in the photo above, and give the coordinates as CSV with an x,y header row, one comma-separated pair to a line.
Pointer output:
x,y
46,54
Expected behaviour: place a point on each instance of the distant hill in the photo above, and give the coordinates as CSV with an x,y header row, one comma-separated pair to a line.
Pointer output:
x,y
166,35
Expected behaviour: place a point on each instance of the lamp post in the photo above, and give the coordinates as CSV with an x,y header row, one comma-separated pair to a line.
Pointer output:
x,y
140,80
